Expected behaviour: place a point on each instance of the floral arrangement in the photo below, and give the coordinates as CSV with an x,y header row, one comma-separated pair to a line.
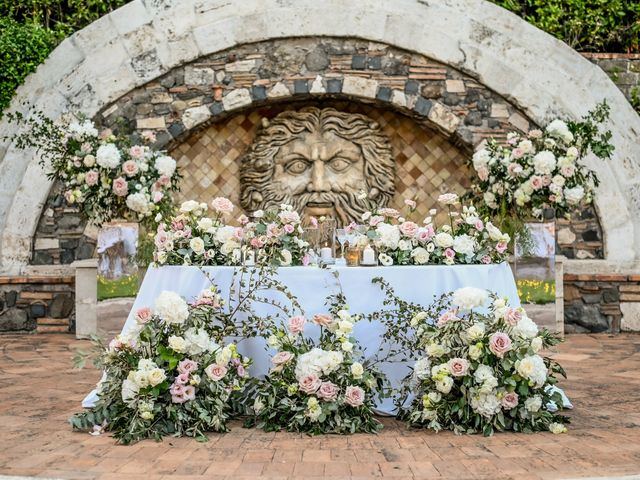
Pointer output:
x,y
541,169
482,372
105,175
274,236
317,387
194,238
463,238
170,375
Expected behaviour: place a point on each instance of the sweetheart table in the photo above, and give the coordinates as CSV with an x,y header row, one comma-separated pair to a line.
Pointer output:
x,y
312,285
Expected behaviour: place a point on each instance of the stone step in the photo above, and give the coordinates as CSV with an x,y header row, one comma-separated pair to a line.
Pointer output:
x,y
53,329
53,321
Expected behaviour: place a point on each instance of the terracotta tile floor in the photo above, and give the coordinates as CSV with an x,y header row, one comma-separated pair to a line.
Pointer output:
x,y
39,390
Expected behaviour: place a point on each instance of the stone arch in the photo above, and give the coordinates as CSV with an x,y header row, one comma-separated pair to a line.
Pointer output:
x,y
146,38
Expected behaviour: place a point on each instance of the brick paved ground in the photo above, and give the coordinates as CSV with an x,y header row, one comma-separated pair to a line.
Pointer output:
x,y
39,390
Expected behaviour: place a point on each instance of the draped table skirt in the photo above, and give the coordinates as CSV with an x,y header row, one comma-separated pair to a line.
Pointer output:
x,y
312,286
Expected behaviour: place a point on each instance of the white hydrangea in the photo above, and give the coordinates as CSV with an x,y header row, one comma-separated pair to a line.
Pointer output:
x,y
165,165
525,328
171,307
108,156
467,298
129,392
544,162
486,404
465,245
533,404
139,202
388,235
224,234
481,158
318,362
198,341
483,373
574,195
422,368
560,129
85,129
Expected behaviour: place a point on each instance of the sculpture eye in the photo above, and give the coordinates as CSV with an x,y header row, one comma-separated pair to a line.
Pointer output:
x,y
339,164
296,167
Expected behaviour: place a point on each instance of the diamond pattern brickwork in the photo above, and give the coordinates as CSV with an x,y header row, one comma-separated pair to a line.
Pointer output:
x,y
427,164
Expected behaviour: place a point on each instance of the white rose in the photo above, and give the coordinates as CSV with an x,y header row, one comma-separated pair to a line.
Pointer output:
x,y
286,257
490,200
476,332
197,245
129,392
475,352
89,161
465,245
444,385
357,370
177,344
544,162
205,224
139,202
469,297
156,376
572,153
224,356
404,245
347,346
165,165
443,240
574,195
108,156
420,255
436,350
481,158
536,344
525,328
560,129
224,234
533,404
171,307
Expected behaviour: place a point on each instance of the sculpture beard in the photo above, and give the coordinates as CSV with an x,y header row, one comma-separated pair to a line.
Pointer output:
x,y
318,161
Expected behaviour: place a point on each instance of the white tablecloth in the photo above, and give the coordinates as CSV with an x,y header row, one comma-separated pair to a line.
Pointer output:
x,y
312,285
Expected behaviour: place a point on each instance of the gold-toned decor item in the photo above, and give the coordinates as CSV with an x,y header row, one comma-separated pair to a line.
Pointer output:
x,y
352,256
318,160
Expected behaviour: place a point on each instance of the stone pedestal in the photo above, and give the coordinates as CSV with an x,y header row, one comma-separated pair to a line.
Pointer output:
x,y
86,297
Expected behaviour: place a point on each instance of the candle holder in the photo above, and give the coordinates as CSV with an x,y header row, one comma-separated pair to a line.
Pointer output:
x,y
352,256
369,256
326,240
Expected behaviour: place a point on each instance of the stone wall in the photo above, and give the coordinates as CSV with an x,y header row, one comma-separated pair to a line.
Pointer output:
x,y
623,69
41,303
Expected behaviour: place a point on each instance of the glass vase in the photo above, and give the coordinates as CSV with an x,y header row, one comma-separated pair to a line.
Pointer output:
x,y
117,248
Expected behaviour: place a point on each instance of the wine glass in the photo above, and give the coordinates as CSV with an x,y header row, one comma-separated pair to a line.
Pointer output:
x,y
342,237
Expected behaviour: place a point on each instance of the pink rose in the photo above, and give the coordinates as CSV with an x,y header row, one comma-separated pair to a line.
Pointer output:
x,y
85,147
328,391
535,133
130,168
91,177
568,171
289,228
517,153
187,366
512,316
177,389
289,217
257,242
449,253
322,319
273,230
143,315
501,247
309,384
510,400
182,379
148,136
157,196
189,393
215,372
408,229
354,396
536,182
375,220
479,225
296,324
238,233
446,317
306,260
546,180
280,359
458,367
486,259
241,371
243,219
483,173
137,151
222,205
162,240
426,233
410,203
314,223
120,187
499,343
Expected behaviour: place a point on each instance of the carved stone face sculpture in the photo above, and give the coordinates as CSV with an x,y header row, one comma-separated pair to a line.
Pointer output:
x,y
318,160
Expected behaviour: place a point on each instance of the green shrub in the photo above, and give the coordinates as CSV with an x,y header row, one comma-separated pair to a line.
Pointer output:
x,y
22,48
585,25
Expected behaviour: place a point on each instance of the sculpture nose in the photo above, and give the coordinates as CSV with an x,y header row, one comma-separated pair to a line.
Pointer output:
x,y
318,181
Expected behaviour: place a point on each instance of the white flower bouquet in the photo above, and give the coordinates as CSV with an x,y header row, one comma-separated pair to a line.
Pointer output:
x,y
274,237
104,175
541,169
317,387
482,372
199,236
463,239
171,375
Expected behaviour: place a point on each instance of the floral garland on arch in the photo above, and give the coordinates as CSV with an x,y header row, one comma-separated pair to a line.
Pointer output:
x,y
170,375
482,372
541,169
194,238
106,176
464,238
318,386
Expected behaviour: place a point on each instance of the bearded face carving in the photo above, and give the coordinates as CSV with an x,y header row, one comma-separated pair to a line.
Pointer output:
x,y
318,160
